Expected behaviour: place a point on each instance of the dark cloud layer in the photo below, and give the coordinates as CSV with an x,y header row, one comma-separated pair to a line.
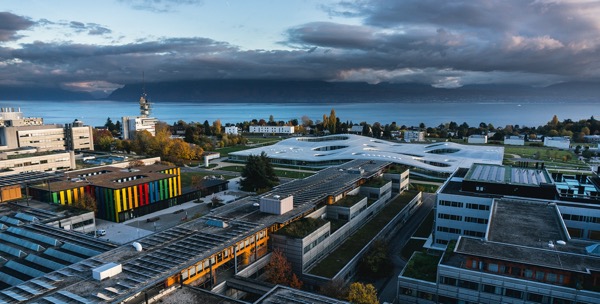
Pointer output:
x,y
10,24
441,43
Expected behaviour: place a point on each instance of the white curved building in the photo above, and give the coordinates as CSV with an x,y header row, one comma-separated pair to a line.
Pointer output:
x,y
436,159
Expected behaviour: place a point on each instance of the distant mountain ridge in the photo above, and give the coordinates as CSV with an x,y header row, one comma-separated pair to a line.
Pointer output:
x,y
334,92
281,91
40,93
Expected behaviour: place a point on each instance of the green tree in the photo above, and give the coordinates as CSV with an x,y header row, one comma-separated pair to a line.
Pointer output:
x,y
374,263
207,130
258,174
360,293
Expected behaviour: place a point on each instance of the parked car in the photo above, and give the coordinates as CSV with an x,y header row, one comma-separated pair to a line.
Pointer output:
x,y
100,232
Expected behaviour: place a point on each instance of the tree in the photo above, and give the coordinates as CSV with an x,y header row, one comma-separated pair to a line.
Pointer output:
x,y
207,130
360,293
279,270
86,202
198,184
374,263
217,126
332,122
258,174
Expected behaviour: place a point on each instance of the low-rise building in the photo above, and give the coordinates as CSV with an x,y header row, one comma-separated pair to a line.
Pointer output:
x,y
232,130
272,129
411,136
592,138
477,139
526,257
514,140
43,161
120,194
557,142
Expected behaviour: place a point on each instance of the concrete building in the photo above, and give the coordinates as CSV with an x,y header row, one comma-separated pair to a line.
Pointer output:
x,y
195,252
514,140
14,163
477,139
272,129
133,124
232,130
557,142
463,202
412,136
356,129
526,257
436,160
120,194
592,138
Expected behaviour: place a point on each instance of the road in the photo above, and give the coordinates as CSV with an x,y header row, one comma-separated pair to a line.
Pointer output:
x,y
388,288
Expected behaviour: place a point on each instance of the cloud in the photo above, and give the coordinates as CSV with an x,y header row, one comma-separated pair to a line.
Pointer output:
x,y
10,24
440,43
159,6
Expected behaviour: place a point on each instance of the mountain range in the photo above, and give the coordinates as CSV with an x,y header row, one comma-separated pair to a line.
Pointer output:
x,y
316,91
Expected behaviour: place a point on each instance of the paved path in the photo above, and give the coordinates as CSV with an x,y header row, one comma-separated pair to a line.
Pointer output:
x,y
387,289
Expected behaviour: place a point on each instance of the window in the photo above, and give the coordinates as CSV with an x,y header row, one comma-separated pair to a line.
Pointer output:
x,y
448,230
537,298
493,267
442,242
476,220
474,233
528,273
447,281
468,285
478,206
492,289
451,217
451,204
513,293
539,275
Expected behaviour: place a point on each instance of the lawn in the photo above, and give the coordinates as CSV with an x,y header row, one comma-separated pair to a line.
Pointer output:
x,y
186,177
278,172
552,157
332,264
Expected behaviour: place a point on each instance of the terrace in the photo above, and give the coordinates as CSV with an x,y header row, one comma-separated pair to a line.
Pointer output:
x,y
349,201
301,228
333,263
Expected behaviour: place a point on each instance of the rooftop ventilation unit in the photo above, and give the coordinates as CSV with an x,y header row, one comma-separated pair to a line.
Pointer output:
x,y
106,271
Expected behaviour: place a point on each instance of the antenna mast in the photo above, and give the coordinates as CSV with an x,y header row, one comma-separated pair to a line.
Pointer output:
x,y
144,102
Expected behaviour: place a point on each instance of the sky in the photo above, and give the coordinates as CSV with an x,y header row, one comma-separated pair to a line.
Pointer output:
x,y
91,45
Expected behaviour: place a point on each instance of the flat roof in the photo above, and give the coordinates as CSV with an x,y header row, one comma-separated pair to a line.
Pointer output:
x,y
110,177
508,175
283,294
24,178
167,252
520,231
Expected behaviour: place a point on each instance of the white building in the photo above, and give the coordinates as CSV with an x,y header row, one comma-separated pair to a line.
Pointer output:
x,y
514,140
233,130
356,129
464,201
477,139
132,124
557,142
435,160
410,136
13,163
272,129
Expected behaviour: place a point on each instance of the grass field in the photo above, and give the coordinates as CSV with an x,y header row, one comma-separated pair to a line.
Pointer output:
x,y
278,172
552,157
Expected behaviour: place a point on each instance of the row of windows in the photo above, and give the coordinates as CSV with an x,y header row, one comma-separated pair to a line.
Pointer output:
x,y
451,217
474,233
478,206
448,230
316,242
451,204
581,218
532,274
477,220
507,292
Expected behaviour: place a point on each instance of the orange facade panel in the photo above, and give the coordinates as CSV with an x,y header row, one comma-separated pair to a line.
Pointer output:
x,y
9,193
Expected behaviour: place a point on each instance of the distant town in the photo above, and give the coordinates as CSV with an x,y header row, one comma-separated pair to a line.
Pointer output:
x,y
300,211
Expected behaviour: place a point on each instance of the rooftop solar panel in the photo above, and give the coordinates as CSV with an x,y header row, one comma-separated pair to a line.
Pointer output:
x,y
80,249
16,266
62,255
33,235
12,251
44,262
26,217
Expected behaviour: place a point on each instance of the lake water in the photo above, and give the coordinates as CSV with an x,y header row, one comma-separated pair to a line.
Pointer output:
x,y
96,112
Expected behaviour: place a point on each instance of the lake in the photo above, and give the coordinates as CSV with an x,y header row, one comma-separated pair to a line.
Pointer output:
x,y
96,112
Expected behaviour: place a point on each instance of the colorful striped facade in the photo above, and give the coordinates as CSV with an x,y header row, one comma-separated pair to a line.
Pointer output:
x,y
124,196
